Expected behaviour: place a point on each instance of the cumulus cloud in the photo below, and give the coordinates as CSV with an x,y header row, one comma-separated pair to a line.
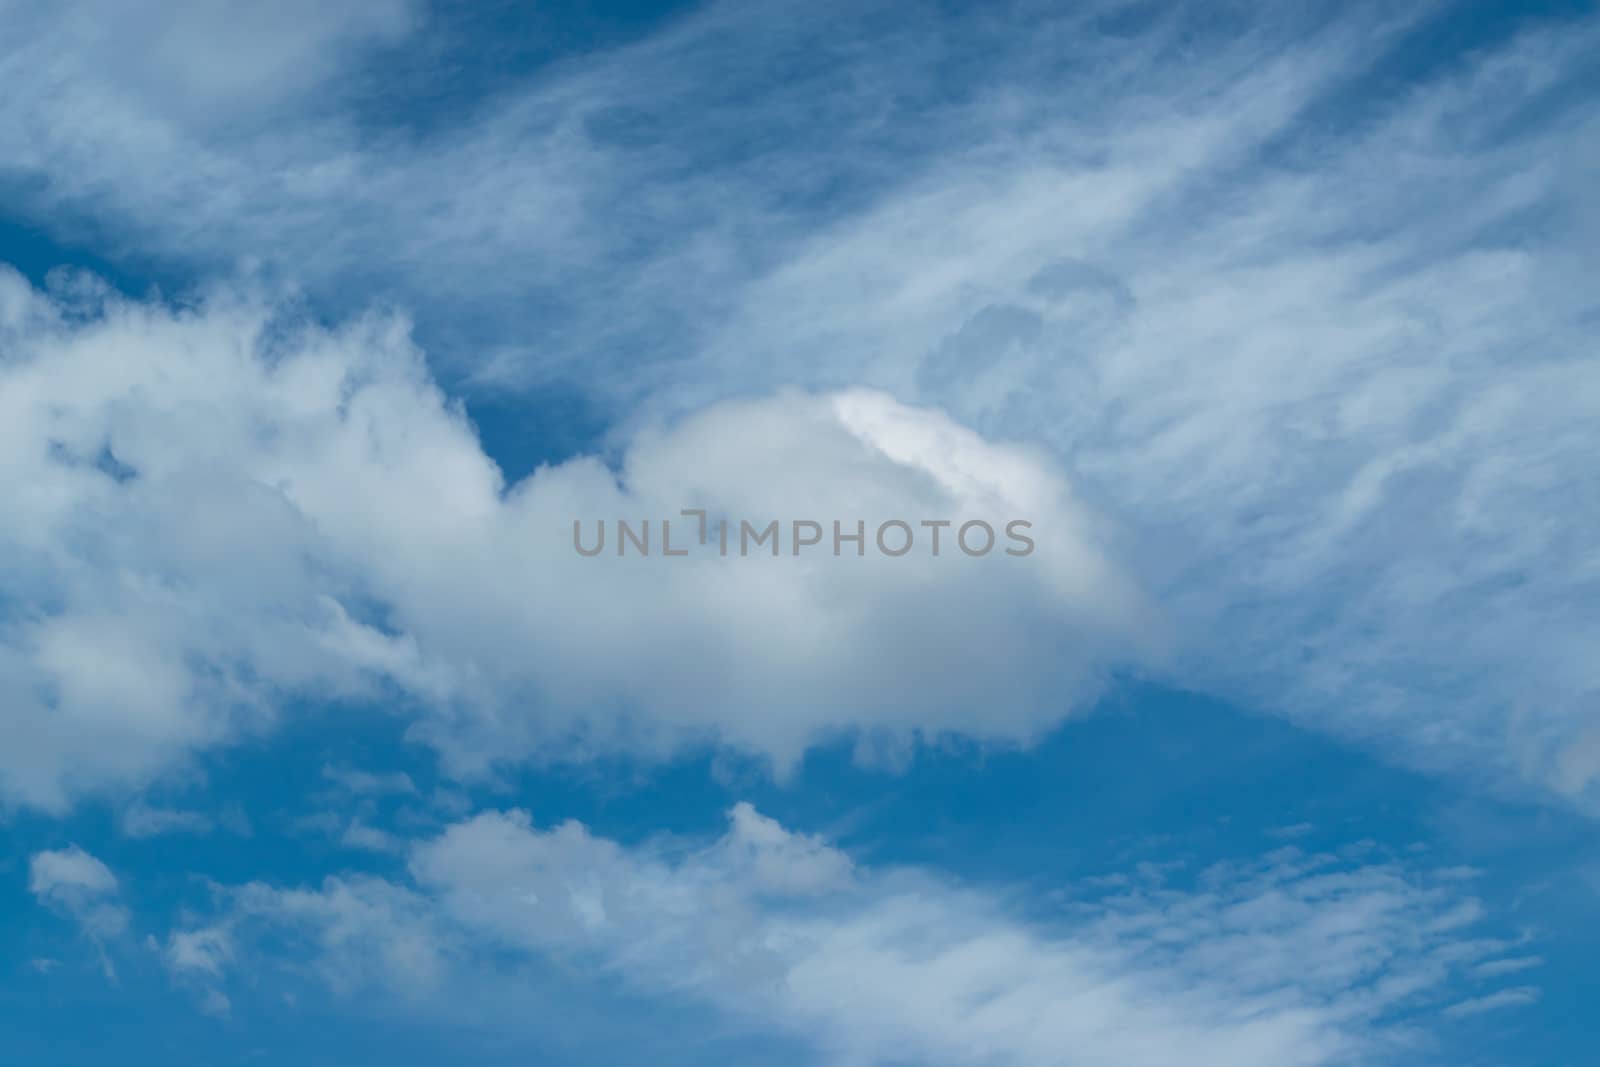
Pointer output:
x,y
1290,958
218,508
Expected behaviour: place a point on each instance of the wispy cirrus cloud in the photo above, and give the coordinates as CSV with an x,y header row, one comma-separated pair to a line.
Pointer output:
x,y
1290,958
1506,998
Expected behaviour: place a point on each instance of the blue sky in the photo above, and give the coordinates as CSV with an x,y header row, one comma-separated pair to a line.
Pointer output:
x,y
320,325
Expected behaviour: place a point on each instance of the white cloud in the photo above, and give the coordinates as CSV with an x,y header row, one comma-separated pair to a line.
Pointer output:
x,y
1341,409
369,783
75,884
203,952
1510,965
149,78
216,1003
1506,998
1326,353
621,197
360,835
51,873
142,820
1287,959
350,933
215,509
